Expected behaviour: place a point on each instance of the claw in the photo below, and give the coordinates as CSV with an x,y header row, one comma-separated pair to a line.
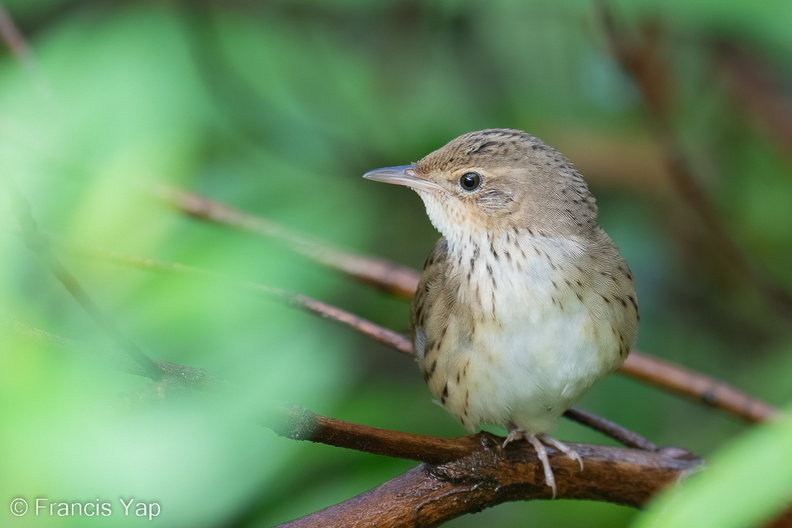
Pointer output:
x,y
568,451
514,434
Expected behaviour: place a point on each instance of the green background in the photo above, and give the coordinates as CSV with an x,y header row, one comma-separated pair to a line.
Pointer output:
x,y
278,108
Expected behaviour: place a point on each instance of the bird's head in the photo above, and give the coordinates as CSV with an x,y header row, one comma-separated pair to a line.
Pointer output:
x,y
494,180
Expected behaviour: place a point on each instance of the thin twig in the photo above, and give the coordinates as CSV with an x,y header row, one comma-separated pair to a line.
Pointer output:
x,y
302,302
13,37
697,387
659,373
759,89
641,59
612,429
116,359
40,246
384,275
19,48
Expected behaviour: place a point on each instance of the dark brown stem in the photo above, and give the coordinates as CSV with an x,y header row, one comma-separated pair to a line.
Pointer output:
x,y
301,424
612,429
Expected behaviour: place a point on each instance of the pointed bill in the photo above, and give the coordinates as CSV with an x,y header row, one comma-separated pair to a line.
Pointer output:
x,y
402,175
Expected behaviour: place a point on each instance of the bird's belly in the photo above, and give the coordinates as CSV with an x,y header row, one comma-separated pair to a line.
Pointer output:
x,y
527,370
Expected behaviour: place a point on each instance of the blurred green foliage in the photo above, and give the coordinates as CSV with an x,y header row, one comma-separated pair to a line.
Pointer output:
x,y
277,108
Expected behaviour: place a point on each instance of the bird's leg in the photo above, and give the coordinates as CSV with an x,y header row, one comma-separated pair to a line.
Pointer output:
x,y
515,433
541,452
538,441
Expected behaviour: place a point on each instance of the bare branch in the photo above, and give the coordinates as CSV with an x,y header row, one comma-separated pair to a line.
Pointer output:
x,y
645,368
466,474
384,275
642,59
19,48
296,300
13,37
115,359
301,424
760,90
432,495
609,428
696,387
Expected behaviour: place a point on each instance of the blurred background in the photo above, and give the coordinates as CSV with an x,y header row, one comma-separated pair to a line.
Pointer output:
x,y
677,113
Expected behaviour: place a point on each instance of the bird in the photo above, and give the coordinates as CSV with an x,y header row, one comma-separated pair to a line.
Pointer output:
x,y
525,301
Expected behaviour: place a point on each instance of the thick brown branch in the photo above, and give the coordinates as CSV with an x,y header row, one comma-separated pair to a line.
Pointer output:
x,y
431,495
302,424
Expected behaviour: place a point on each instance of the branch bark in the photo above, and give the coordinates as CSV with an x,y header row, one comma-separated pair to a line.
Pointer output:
x,y
430,495
302,424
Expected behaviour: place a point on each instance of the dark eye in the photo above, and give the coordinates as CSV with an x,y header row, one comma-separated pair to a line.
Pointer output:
x,y
470,181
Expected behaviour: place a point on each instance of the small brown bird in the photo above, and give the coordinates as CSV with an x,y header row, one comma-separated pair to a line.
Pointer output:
x,y
525,302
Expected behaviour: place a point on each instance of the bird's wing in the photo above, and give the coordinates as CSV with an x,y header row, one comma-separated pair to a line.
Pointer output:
x,y
433,291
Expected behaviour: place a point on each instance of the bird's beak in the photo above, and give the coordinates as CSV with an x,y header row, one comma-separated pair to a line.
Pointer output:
x,y
402,175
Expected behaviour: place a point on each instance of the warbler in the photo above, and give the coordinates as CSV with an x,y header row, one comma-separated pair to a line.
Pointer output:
x,y
525,301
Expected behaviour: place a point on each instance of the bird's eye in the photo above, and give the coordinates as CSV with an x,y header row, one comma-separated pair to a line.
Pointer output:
x,y
470,181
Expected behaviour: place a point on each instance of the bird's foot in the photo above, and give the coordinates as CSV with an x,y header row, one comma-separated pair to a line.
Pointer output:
x,y
538,441
568,451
